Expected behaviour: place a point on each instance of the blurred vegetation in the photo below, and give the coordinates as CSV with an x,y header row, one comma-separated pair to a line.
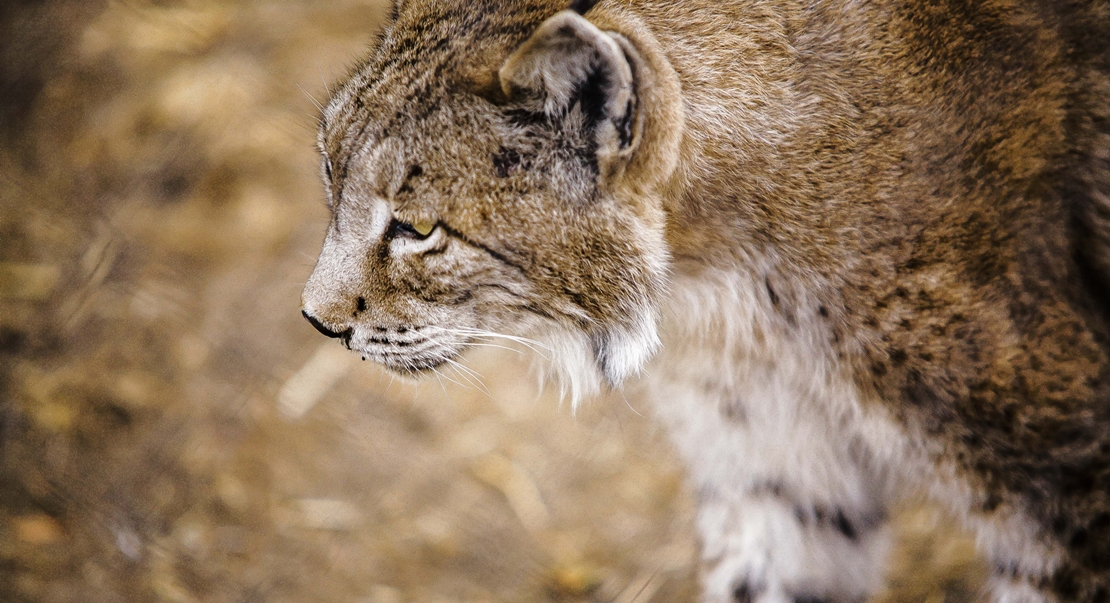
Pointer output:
x,y
171,430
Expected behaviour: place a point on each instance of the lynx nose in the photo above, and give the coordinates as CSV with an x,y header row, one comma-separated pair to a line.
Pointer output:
x,y
321,328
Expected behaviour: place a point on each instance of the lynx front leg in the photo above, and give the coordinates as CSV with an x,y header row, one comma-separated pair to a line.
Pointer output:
x,y
767,546
792,503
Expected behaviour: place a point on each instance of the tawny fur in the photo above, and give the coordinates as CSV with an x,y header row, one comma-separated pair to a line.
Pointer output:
x,y
855,249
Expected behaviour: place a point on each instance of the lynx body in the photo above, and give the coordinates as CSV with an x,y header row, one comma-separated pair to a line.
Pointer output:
x,y
850,249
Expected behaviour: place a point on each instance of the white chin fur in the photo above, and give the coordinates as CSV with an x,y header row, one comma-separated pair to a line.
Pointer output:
x,y
628,348
582,368
569,362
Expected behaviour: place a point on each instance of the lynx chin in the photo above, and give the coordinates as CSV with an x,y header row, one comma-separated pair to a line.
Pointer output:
x,y
850,249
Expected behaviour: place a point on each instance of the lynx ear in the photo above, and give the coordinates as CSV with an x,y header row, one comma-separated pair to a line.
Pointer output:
x,y
570,61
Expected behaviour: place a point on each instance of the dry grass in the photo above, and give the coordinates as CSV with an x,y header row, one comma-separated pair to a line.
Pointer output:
x,y
160,436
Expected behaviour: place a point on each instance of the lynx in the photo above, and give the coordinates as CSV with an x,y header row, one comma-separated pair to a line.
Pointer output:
x,y
850,249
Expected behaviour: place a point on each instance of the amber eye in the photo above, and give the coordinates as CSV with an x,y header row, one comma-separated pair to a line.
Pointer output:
x,y
415,230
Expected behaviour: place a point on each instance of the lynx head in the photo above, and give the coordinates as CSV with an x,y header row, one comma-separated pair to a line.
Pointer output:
x,y
496,169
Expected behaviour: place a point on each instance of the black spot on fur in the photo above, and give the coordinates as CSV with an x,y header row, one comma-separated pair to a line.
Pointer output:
x,y
915,390
360,305
743,594
525,118
898,356
174,186
1066,586
1078,539
771,292
581,6
911,265
823,311
414,172
113,413
733,411
12,341
505,162
844,526
801,516
458,299
992,503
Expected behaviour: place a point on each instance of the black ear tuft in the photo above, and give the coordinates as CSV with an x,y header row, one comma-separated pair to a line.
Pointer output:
x,y
581,6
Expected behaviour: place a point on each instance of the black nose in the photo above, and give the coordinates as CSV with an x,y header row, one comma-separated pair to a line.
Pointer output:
x,y
320,326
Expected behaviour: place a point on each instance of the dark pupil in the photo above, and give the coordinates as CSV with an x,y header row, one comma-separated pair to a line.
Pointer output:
x,y
405,229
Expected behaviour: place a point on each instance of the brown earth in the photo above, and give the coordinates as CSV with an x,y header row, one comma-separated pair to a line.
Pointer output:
x,y
171,430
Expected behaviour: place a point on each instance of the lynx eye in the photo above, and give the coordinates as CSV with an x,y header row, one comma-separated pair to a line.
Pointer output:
x,y
414,230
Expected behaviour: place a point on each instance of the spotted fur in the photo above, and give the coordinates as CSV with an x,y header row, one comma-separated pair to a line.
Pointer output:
x,y
855,249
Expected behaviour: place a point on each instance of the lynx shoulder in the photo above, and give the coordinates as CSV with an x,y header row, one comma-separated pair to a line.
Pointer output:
x,y
849,249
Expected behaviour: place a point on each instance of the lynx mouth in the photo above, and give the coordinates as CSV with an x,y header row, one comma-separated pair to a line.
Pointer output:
x,y
413,368
420,350
415,359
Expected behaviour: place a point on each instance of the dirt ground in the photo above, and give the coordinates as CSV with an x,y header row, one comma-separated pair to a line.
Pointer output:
x,y
170,428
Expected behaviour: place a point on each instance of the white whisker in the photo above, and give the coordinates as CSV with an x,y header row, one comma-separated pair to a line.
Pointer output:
x,y
469,332
626,403
531,343
489,345
474,378
441,386
487,333
319,107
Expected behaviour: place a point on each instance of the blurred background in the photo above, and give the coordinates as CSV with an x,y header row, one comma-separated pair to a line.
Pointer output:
x,y
171,430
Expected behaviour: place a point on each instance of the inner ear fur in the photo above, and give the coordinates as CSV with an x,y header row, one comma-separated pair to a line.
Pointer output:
x,y
569,59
